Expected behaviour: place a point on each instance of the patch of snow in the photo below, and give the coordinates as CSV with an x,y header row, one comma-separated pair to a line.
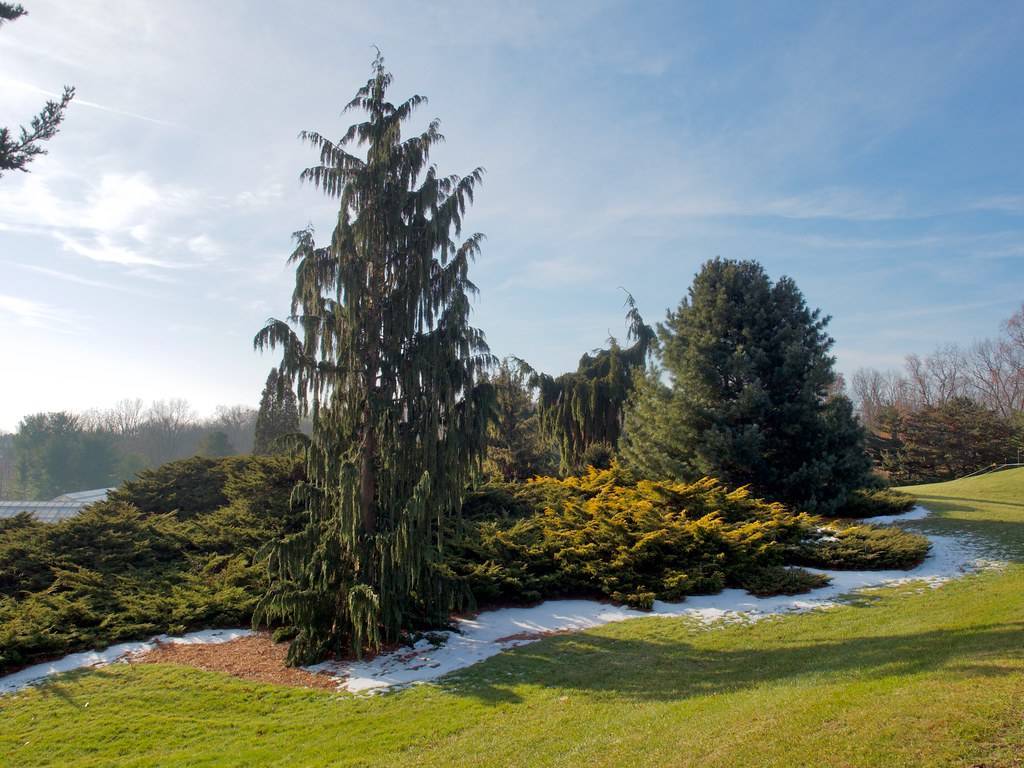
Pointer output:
x,y
492,632
917,513
114,653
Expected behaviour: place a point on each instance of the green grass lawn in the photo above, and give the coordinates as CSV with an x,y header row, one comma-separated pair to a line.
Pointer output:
x,y
905,676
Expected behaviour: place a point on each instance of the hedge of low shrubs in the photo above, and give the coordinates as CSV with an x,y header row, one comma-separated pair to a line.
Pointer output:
x,y
872,502
862,548
174,550
636,542
134,566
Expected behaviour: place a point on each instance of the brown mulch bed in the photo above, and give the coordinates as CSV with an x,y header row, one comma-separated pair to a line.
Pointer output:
x,y
255,657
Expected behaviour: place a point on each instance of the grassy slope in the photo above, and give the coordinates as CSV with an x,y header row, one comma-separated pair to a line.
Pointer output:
x,y
904,676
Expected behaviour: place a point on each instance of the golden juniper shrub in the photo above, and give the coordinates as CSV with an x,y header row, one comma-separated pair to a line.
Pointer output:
x,y
634,542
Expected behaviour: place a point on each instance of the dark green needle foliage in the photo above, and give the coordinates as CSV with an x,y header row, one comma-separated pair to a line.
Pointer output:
x,y
946,441
385,361
11,11
584,409
18,149
749,397
176,549
278,416
516,449
216,444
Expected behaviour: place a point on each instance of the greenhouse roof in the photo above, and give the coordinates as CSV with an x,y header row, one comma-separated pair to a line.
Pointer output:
x,y
85,497
60,508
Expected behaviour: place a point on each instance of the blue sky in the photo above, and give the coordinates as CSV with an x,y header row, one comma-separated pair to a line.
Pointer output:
x,y
872,151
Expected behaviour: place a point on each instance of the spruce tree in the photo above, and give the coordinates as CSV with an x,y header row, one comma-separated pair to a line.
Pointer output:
x,y
389,368
651,433
278,415
749,395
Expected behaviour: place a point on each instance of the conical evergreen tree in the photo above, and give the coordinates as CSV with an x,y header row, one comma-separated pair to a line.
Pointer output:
x,y
278,415
651,430
389,368
749,401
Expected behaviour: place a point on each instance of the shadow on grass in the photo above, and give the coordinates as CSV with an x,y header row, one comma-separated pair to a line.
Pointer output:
x,y
61,686
1000,538
672,670
954,501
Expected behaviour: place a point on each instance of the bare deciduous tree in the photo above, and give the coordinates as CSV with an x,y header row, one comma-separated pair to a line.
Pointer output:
x,y
125,417
166,424
876,391
238,422
938,378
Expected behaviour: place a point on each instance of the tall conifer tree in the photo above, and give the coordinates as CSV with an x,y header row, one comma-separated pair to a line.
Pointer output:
x,y
278,415
750,400
389,368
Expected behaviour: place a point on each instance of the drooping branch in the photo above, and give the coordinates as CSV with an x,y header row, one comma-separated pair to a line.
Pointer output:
x,y
586,407
379,340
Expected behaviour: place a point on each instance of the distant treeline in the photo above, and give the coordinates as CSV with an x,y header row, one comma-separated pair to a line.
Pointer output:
x,y
60,452
950,413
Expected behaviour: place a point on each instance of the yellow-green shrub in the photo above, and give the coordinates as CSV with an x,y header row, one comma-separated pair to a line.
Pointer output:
x,y
633,542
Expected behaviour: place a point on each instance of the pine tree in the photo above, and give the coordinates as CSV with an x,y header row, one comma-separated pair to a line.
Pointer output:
x,y
278,415
54,453
389,368
749,400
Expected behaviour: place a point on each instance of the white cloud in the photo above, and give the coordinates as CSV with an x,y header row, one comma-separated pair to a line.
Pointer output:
x,y
1011,251
124,218
79,102
203,246
1001,203
553,273
71,277
102,249
34,314
261,197
841,204
118,203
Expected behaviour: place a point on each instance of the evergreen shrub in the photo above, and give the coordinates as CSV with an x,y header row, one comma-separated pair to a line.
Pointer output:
x,y
872,502
154,558
176,550
604,534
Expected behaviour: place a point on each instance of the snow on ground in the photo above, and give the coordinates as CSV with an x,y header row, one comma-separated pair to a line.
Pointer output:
x,y
119,652
492,632
917,513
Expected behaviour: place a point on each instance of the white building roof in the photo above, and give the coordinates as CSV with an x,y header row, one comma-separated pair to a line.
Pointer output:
x,y
86,497
64,506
